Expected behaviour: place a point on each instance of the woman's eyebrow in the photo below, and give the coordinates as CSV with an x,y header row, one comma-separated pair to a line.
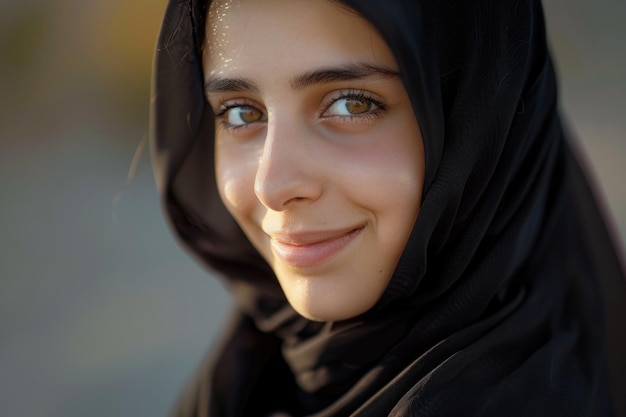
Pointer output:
x,y
216,84
342,73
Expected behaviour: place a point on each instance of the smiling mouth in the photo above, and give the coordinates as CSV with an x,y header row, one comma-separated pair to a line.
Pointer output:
x,y
311,249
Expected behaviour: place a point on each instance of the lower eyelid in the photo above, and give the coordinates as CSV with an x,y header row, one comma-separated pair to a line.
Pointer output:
x,y
343,121
235,128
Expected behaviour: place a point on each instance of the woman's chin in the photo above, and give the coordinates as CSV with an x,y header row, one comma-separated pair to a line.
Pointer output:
x,y
333,307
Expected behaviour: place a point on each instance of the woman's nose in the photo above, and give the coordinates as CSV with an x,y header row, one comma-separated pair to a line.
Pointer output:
x,y
286,172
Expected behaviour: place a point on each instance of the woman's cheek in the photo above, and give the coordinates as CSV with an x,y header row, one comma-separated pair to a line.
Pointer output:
x,y
235,180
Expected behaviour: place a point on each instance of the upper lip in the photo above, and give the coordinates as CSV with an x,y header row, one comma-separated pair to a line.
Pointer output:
x,y
304,238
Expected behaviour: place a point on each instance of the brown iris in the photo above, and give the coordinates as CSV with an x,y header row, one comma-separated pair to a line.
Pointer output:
x,y
249,114
356,106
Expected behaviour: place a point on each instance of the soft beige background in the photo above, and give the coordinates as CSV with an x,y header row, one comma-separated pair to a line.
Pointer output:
x,y
101,314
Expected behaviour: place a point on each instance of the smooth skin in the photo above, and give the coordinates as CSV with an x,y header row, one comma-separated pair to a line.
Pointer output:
x,y
319,156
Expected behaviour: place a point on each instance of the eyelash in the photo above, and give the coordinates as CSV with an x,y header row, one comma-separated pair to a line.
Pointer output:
x,y
380,107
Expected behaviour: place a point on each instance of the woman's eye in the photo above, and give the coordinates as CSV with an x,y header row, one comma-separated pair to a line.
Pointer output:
x,y
353,106
242,115
350,106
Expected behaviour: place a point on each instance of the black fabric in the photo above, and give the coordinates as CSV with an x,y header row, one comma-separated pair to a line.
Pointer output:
x,y
496,305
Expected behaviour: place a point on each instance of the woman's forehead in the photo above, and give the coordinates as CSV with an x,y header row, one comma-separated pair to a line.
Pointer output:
x,y
271,35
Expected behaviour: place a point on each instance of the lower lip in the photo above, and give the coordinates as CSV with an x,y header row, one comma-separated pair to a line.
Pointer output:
x,y
313,254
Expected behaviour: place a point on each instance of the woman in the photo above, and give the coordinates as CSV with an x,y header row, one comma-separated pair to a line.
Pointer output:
x,y
388,193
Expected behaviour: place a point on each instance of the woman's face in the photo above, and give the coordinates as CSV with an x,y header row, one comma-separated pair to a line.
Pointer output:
x,y
319,156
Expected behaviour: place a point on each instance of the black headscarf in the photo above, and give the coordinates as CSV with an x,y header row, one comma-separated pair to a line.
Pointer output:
x,y
496,305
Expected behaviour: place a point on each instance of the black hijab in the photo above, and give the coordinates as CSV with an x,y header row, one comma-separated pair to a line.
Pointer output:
x,y
496,305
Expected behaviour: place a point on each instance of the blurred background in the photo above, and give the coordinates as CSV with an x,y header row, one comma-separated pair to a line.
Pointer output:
x,y
101,313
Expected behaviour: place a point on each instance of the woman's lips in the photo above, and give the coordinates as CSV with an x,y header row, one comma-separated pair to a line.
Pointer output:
x,y
311,249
